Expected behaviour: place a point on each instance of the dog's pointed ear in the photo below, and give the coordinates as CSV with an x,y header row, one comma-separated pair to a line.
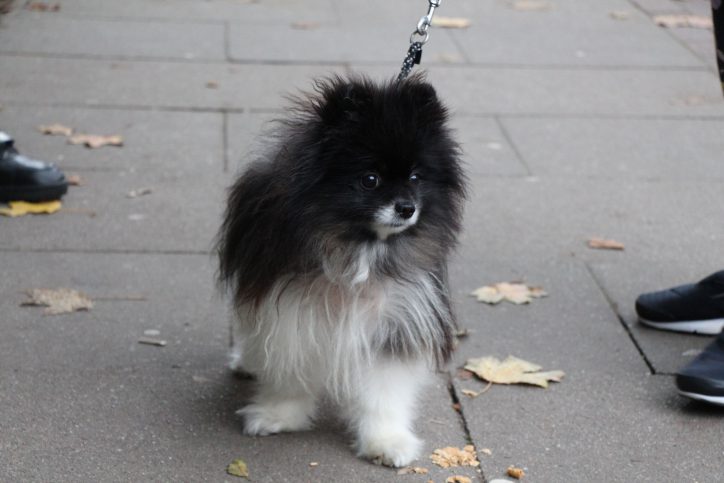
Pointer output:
x,y
345,101
422,92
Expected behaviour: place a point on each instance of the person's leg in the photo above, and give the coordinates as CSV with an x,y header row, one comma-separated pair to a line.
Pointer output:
x,y
25,179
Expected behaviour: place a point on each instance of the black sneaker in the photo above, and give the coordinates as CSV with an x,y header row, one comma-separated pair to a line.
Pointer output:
x,y
696,308
25,179
703,378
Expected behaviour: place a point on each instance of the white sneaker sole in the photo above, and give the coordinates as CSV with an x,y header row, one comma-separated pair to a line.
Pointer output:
x,y
709,327
718,400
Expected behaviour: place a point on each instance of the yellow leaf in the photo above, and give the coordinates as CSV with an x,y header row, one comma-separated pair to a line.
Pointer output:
x,y
56,129
532,5
450,22
20,208
675,21
238,468
95,141
513,292
603,244
511,371
452,456
58,301
458,479
516,473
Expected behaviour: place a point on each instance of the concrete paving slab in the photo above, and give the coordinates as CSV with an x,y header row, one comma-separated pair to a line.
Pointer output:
x,y
623,282
569,35
180,214
182,144
587,92
607,428
58,35
177,424
608,420
152,84
174,294
267,11
547,217
385,42
651,149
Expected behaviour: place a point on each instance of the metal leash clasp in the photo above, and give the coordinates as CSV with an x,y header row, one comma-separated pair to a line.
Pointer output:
x,y
420,34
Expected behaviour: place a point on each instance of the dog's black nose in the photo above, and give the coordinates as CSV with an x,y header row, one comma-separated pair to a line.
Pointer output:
x,y
405,209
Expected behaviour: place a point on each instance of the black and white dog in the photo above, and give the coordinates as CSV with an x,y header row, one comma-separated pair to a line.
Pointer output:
x,y
335,247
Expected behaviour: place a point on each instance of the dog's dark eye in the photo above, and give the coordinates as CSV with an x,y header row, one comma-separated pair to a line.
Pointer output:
x,y
370,181
414,177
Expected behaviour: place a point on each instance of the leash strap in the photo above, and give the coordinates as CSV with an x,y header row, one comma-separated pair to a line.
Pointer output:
x,y
418,38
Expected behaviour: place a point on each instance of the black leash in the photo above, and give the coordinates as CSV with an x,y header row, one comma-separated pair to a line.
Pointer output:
x,y
417,40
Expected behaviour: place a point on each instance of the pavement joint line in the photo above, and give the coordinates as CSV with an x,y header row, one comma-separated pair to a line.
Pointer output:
x,y
455,400
678,40
126,107
361,63
227,42
622,321
225,140
509,139
110,251
281,110
461,48
122,18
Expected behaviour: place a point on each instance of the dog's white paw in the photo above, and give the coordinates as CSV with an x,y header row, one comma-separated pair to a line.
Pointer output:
x,y
270,418
390,448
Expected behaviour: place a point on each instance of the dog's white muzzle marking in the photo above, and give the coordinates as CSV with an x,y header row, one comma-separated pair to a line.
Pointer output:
x,y
389,222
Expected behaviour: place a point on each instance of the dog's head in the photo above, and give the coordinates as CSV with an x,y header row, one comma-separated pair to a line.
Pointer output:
x,y
385,162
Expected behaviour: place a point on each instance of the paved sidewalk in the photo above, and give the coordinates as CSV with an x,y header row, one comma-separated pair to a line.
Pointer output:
x,y
575,123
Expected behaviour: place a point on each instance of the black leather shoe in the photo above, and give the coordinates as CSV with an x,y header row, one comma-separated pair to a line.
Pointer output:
x,y
703,378
25,179
697,307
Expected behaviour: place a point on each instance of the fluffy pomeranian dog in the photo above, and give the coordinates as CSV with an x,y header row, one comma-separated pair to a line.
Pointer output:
x,y
334,246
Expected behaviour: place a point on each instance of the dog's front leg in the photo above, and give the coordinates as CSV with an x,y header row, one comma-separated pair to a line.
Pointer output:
x,y
383,411
281,406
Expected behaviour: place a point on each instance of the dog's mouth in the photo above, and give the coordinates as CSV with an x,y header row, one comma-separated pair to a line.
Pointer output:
x,y
388,221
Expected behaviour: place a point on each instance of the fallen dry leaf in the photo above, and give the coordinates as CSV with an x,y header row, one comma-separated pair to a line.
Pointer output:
x,y
450,22
683,20
452,456
486,452
603,244
514,292
620,15
516,473
42,6
152,341
20,208
511,371
470,393
302,25
74,180
238,468
58,301
139,192
413,470
94,141
55,129
532,5
212,85
458,479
